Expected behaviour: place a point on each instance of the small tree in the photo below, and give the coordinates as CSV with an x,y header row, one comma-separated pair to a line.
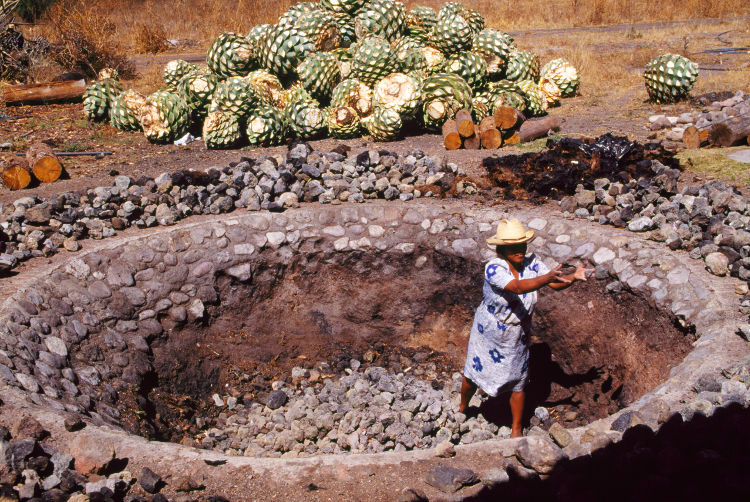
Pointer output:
x,y
31,10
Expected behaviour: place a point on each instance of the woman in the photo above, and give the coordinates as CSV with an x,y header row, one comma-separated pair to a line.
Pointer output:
x,y
498,355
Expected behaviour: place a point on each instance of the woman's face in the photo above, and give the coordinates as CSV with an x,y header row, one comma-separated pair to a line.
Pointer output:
x,y
514,253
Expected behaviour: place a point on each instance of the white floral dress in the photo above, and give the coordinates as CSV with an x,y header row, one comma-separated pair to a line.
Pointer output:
x,y
498,356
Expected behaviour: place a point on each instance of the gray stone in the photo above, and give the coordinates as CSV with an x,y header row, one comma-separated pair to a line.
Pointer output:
x,y
678,276
28,382
449,479
464,247
56,346
495,476
717,263
98,289
640,224
118,275
539,454
603,255
276,399
560,435
242,272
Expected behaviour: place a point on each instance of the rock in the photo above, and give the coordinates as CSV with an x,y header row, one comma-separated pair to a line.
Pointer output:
x,y
164,215
626,420
744,331
539,454
28,382
150,481
495,476
445,449
541,413
276,399
640,224
19,450
707,382
560,435
28,427
91,456
450,479
412,495
717,263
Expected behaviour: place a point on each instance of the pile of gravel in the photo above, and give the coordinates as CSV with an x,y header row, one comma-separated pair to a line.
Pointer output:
x,y
34,226
366,411
673,127
709,221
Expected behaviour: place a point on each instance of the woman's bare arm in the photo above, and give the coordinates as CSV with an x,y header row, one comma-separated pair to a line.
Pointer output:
x,y
520,286
567,280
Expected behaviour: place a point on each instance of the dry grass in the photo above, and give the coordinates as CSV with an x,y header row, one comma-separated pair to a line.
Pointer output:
x,y
714,162
203,20
86,38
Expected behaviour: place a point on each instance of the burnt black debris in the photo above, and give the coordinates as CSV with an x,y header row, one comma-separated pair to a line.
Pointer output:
x,y
568,162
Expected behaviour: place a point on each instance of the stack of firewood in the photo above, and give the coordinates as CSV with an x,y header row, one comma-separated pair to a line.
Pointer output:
x,y
507,126
40,163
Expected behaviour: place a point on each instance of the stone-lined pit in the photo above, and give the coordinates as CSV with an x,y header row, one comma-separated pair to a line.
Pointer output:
x,y
319,313
79,333
142,335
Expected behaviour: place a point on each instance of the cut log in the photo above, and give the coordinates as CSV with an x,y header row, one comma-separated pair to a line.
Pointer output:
x,y
43,163
44,93
465,123
16,175
537,128
451,138
473,142
489,136
694,138
507,117
732,131
513,139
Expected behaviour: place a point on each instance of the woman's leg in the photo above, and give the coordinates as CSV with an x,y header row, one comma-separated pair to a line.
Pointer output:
x,y
468,388
516,410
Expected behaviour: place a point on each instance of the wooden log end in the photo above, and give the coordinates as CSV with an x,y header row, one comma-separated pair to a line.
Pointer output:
x,y
452,141
465,123
491,139
16,175
47,169
691,137
506,117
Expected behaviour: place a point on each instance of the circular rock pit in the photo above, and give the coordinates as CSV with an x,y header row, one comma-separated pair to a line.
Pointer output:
x,y
322,330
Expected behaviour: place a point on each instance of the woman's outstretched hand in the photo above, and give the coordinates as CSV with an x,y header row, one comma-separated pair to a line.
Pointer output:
x,y
580,273
555,275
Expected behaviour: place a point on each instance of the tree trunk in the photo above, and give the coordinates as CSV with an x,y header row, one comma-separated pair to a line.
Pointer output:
x,y
507,117
536,128
489,136
465,123
16,174
732,131
451,138
473,142
694,138
43,163
44,93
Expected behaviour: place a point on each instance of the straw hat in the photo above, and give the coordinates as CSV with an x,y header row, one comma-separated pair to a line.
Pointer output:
x,y
510,232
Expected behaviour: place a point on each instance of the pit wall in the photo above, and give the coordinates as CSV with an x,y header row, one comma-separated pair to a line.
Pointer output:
x,y
128,290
